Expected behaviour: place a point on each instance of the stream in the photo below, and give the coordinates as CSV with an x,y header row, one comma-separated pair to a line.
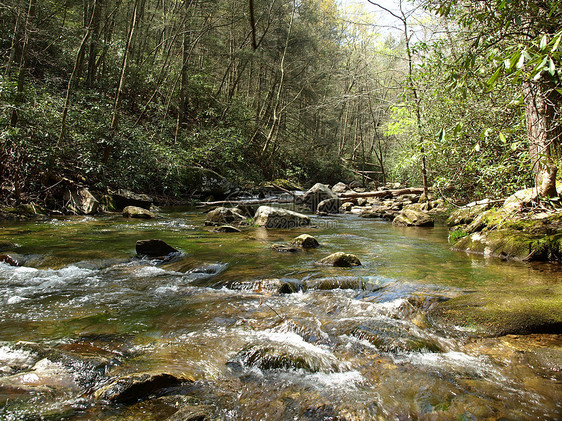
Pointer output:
x,y
345,344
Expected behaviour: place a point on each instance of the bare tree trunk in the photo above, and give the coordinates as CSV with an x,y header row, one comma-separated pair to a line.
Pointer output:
x,y
22,64
73,74
94,30
544,133
115,116
275,122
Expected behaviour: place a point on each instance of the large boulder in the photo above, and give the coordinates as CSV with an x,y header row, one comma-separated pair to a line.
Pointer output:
x,y
340,259
467,214
124,198
81,201
340,188
317,194
154,248
520,200
413,218
210,183
136,212
224,216
329,206
269,217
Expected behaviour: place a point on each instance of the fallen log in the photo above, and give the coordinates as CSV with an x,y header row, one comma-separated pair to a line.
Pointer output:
x,y
383,193
248,202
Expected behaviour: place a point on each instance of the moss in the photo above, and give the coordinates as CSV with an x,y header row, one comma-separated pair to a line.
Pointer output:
x,y
456,235
501,311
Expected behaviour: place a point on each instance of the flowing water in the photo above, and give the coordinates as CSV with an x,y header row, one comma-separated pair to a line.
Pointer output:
x,y
346,344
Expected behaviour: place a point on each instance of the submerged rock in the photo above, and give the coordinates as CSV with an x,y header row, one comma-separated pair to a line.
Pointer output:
x,y
284,248
413,218
340,259
269,217
275,286
154,248
283,357
227,228
224,216
393,338
193,413
139,386
305,241
136,212
342,282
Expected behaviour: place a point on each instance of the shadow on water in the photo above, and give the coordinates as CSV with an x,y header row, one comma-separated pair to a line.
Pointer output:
x,y
259,334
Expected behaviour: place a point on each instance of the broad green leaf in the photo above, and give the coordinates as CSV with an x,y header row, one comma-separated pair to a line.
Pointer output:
x,y
477,147
514,146
494,79
539,68
502,138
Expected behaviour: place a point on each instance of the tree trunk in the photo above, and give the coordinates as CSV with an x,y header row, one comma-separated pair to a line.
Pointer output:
x,y
544,134
22,64
115,116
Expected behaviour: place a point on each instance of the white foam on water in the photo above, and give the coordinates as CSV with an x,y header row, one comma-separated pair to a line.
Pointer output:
x,y
347,379
10,357
477,366
166,289
295,340
25,276
16,299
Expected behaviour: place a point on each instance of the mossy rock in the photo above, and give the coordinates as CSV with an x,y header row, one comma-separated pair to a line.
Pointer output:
x,y
509,243
305,241
506,310
340,259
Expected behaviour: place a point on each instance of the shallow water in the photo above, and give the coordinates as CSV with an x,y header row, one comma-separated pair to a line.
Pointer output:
x,y
213,314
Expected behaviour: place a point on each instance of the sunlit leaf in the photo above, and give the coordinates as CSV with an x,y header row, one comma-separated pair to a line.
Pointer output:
x,y
477,147
494,79
502,138
543,43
